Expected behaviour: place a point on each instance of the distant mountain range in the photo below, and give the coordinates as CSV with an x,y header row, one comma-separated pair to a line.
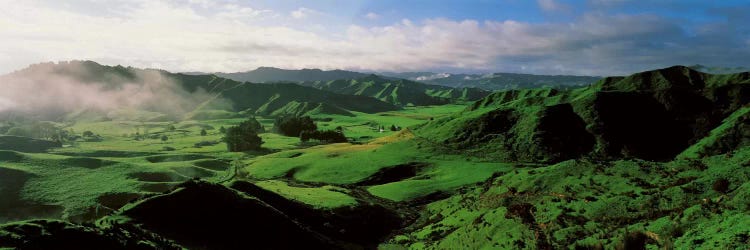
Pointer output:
x,y
269,74
497,81
491,82
719,70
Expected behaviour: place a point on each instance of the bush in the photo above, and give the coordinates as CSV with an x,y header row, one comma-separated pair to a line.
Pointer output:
x,y
327,136
205,143
293,126
203,132
243,137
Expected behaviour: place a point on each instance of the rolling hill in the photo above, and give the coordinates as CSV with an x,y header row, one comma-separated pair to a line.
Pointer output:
x,y
653,115
399,91
267,99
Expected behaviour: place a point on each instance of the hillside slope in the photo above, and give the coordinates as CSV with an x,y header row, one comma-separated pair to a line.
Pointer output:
x,y
399,91
652,115
267,99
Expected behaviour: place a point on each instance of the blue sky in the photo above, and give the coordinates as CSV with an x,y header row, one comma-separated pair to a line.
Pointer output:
x,y
586,37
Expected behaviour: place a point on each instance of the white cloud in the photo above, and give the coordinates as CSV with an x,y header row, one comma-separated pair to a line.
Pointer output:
x,y
372,16
302,13
552,5
238,38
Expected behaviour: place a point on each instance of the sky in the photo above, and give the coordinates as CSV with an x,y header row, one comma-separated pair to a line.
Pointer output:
x,y
578,37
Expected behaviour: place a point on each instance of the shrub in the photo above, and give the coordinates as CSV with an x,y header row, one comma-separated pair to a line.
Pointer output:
x,y
205,143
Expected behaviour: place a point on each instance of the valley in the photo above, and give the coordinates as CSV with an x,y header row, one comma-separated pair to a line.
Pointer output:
x,y
656,159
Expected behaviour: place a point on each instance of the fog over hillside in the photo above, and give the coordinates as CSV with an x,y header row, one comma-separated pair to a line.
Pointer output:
x,y
53,88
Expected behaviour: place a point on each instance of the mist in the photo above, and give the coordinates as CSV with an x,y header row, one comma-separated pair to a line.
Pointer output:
x,y
50,90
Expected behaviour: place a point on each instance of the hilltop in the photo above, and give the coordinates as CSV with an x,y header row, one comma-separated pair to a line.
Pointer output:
x,y
270,74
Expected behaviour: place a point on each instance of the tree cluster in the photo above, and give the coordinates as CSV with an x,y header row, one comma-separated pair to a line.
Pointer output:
x,y
293,125
327,136
244,136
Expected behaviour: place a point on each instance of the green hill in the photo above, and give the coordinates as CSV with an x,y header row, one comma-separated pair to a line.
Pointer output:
x,y
157,95
277,98
652,115
399,91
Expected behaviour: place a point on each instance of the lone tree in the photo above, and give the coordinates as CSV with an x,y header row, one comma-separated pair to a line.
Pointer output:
x,y
222,130
203,132
164,138
242,137
293,126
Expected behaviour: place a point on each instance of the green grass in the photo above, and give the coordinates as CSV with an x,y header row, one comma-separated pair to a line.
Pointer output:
x,y
334,164
444,176
326,197
674,202
77,177
344,163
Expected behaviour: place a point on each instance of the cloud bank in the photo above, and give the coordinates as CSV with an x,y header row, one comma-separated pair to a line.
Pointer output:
x,y
50,90
211,36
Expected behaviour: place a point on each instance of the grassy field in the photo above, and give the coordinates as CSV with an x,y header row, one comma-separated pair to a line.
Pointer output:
x,y
456,201
88,179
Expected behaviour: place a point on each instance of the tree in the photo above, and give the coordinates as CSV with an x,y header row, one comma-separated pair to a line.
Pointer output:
x,y
203,132
164,138
223,130
88,133
252,124
242,137
293,126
